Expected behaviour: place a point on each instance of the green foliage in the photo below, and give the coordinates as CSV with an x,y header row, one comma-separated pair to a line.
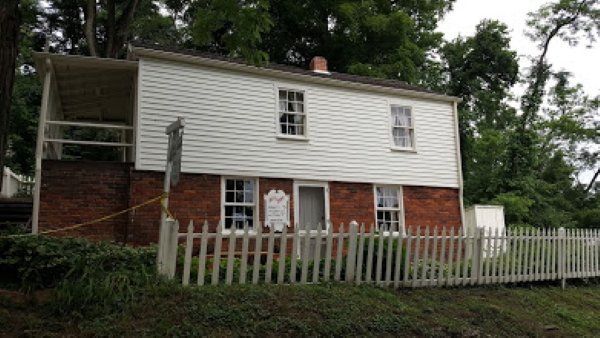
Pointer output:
x,y
231,27
35,262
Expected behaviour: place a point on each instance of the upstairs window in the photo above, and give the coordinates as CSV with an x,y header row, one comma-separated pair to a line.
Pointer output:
x,y
388,206
292,113
403,131
239,203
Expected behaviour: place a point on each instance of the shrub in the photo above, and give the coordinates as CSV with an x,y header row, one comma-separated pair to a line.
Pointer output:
x,y
36,262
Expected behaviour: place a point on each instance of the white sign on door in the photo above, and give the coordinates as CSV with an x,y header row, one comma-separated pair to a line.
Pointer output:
x,y
277,210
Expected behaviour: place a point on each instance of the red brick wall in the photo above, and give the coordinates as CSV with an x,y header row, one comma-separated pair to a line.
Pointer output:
x,y
431,206
351,202
196,197
79,191
75,191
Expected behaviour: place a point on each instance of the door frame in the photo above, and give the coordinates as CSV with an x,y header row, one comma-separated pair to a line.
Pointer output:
x,y
318,184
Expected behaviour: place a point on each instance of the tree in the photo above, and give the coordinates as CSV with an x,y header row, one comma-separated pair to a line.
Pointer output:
x,y
569,20
482,69
103,28
9,32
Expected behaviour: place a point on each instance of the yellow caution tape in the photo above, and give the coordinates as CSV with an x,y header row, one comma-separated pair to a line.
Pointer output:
x,y
162,197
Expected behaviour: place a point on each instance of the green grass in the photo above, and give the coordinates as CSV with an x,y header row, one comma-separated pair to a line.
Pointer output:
x,y
325,310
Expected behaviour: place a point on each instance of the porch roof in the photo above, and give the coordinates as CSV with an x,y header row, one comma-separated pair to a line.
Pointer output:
x,y
91,88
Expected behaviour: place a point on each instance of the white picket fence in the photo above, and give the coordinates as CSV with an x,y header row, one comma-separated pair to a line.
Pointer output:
x,y
423,256
13,184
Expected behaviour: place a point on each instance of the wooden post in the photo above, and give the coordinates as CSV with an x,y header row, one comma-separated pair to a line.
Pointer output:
x,y
351,258
172,252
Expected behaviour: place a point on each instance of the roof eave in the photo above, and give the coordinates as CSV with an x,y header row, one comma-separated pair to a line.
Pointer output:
x,y
136,52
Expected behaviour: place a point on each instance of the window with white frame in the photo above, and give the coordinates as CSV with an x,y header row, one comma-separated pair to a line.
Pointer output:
x,y
403,131
239,203
388,205
292,113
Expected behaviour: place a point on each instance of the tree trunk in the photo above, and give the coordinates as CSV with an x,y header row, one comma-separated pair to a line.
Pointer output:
x,y
122,28
90,27
110,27
9,32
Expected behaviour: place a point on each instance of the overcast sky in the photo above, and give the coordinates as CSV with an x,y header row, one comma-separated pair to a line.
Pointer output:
x,y
581,61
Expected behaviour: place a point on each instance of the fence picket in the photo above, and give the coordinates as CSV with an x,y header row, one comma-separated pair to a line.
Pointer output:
x,y
202,254
244,258
416,263
379,258
217,256
452,243
317,258
294,255
469,259
270,245
388,265
425,264
338,253
459,241
434,263
442,264
398,259
351,257
329,248
359,259
304,271
257,254
187,261
282,252
407,257
370,254
230,257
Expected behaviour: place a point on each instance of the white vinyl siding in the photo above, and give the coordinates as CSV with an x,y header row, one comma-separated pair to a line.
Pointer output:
x,y
349,129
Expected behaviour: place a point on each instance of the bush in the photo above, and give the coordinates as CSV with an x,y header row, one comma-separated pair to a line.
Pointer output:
x,y
37,262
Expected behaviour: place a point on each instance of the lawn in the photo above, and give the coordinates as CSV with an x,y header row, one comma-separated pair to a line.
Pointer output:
x,y
328,310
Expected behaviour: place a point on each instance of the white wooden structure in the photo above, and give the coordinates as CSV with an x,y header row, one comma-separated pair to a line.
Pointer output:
x,y
350,129
13,184
487,217
433,256
231,111
82,92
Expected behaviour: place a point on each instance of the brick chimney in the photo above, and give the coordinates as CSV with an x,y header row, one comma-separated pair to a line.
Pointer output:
x,y
318,64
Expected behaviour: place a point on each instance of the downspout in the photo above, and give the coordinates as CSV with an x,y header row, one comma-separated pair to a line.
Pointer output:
x,y
39,149
459,164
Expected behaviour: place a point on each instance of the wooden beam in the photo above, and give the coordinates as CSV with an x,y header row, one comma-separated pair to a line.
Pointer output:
x,y
89,143
91,125
39,149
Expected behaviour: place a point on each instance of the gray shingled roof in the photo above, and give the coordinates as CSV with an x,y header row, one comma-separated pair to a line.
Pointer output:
x,y
291,69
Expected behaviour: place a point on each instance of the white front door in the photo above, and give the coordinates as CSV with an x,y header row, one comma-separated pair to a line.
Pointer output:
x,y
311,212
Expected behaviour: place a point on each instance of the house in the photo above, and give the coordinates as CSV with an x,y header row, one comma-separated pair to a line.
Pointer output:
x,y
341,147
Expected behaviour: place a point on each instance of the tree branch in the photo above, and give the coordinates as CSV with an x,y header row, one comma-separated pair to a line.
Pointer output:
x,y
122,27
591,184
110,27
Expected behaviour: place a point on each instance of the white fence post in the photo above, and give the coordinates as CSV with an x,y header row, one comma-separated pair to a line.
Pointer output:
x,y
351,258
561,257
172,252
189,244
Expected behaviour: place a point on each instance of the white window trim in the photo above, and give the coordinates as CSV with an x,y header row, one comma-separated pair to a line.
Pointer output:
x,y
255,217
297,185
400,192
278,133
393,145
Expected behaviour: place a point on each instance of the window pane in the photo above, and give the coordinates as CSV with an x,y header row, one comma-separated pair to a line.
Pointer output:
x,y
282,95
229,185
300,96
239,185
